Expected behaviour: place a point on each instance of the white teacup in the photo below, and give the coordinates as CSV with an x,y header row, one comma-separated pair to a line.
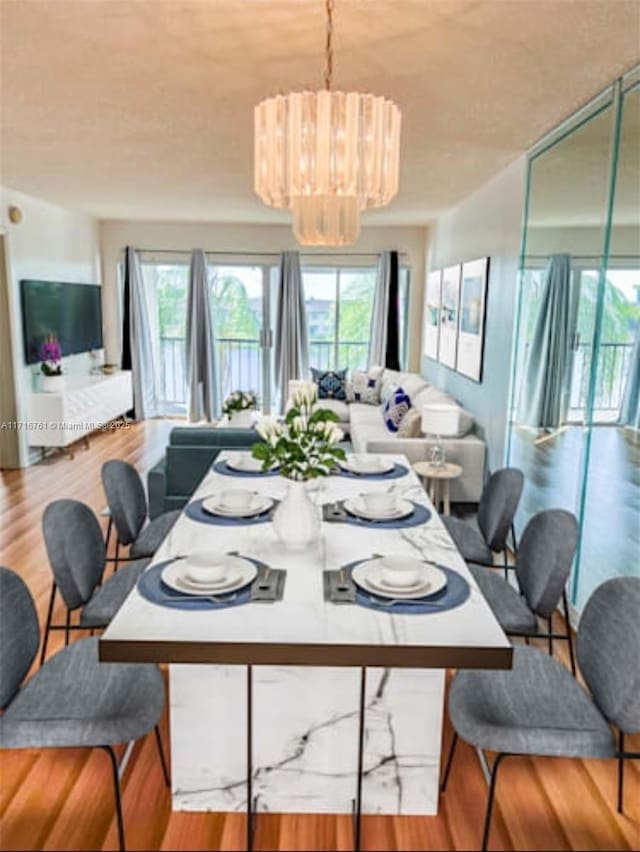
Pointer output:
x,y
379,502
236,499
400,570
206,568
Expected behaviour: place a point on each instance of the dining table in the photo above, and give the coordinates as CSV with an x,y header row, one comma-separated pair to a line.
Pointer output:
x,y
304,704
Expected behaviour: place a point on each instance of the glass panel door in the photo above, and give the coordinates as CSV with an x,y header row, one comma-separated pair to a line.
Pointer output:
x,y
240,303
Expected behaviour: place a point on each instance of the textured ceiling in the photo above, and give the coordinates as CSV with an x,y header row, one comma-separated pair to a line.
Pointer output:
x,y
144,109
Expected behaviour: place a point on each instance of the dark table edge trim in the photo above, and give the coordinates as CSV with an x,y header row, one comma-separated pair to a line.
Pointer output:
x,y
350,656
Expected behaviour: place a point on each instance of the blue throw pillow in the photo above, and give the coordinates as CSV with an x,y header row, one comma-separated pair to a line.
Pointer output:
x,y
395,408
332,384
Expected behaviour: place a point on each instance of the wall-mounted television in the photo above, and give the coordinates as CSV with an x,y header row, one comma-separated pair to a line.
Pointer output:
x,y
72,312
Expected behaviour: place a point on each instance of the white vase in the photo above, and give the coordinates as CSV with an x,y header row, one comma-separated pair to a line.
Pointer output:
x,y
242,419
51,384
296,520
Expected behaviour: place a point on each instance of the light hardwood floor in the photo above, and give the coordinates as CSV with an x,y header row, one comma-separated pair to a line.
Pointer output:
x,y
63,799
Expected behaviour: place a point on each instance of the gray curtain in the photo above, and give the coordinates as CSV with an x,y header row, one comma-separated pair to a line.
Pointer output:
x,y
292,344
630,409
202,383
544,395
380,312
140,353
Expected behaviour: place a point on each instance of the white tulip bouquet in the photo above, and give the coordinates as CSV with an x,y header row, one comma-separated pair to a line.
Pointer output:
x,y
305,445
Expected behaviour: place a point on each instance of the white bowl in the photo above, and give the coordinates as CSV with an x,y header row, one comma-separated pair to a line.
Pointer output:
x,y
401,570
236,498
206,568
379,502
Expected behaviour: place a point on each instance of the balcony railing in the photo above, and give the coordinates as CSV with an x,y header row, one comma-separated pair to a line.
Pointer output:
x,y
352,354
614,361
240,364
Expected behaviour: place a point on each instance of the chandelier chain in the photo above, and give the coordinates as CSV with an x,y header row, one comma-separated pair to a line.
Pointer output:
x,y
329,46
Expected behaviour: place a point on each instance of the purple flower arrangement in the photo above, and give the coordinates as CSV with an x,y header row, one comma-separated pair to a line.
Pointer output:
x,y
51,356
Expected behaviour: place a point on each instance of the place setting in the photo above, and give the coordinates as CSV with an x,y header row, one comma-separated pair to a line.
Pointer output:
x,y
383,509
396,583
232,506
243,464
369,466
210,580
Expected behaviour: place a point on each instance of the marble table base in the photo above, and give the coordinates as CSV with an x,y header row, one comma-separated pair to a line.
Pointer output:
x,y
305,736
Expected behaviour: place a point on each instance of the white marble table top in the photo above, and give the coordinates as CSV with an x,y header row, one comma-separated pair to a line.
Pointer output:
x,y
303,629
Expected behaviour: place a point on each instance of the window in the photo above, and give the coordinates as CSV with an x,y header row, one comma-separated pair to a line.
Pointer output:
x,y
339,303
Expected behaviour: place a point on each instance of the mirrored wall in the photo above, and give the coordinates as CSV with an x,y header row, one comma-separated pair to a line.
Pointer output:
x,y
575,415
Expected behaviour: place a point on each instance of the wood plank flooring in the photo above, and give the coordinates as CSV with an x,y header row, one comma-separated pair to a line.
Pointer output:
x,y
63,799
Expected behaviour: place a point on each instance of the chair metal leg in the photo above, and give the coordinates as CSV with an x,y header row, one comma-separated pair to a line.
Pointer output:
x,y
108,535
565,606
513,536
67,628
445,777
550,623
163,759
505,560
620,773
47,626
116,790
492,791
117,559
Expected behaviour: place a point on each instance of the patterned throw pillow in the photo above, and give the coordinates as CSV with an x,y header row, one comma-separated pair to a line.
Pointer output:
x,y
364,386
395,409
331,383
411,424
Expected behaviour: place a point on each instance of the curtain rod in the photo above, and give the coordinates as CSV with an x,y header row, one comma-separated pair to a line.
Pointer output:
x,y
265,253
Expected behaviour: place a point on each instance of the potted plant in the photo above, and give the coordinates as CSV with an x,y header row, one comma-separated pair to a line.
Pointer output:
x,y
239,407
52,379
304,447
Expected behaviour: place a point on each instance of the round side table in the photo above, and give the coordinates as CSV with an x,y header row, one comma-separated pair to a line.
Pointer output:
x,y
436,480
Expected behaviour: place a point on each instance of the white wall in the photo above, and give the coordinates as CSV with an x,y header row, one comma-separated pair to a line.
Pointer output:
x,y
236,239
486,223
50,243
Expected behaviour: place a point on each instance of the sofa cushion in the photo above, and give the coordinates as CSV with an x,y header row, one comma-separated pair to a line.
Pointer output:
x,y
359,413
395,409
364,386
331,383
410,425
447,420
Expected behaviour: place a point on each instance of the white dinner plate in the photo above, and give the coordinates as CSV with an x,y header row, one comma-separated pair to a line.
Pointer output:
x,y
368,576
355,506
239,573
246,464
257,506
372,465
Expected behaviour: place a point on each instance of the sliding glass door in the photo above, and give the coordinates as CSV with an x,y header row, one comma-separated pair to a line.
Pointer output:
x,y
339,303
241,303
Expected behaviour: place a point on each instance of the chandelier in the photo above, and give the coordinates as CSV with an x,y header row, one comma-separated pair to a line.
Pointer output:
x,y
326,156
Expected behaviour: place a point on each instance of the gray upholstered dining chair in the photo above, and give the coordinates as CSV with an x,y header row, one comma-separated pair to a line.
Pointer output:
x,y
478,537
537,708
543,565
73,701
127,503
77,555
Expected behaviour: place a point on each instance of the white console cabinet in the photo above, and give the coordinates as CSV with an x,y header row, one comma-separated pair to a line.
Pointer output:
x,y
84,404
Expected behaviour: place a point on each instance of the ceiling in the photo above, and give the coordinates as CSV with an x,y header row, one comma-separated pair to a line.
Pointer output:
x,y
144,108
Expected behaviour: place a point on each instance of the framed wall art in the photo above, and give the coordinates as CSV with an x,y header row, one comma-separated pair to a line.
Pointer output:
x,y
473,297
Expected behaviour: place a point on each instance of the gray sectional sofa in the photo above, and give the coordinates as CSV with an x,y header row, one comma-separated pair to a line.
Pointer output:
x,y
368,433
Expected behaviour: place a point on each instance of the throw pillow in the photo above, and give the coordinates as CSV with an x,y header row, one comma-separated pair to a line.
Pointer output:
x,y
331,383
410,425
364,386
395,408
